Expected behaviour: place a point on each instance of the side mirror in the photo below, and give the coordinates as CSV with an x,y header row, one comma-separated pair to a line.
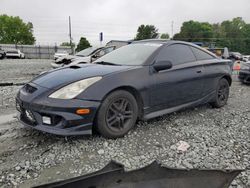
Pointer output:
x,y
162,65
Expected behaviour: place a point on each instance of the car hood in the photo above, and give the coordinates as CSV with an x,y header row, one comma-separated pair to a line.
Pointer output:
x,y
64,76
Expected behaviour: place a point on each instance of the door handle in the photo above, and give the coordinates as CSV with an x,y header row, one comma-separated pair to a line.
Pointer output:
x,y
199,71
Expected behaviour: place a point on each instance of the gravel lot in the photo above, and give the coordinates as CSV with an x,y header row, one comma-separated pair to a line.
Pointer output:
x,y
218,139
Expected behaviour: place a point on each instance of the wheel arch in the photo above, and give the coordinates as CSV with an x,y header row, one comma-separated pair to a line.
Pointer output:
x,y
135,93
228,78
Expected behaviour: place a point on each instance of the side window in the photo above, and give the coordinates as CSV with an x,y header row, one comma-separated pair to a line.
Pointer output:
x,y
177,54
201,55
97,53
107,50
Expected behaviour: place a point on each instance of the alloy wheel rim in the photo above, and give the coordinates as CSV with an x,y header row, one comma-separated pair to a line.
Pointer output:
x,y
119,115
223,93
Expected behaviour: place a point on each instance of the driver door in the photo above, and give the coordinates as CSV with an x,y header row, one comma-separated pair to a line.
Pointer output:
x,y
180,84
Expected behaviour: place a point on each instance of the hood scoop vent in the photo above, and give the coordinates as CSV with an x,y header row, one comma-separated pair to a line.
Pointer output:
x,y
74,67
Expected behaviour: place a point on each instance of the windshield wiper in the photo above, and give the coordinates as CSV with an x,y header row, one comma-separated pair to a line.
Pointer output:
x,y
105,63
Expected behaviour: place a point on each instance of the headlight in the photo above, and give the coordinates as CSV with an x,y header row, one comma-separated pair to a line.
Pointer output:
x,y
244,67
72,90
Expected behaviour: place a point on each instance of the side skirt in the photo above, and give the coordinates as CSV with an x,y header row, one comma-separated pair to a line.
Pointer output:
x,y
203,100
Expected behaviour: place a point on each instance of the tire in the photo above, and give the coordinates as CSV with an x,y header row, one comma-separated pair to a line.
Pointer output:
x,y
222,93
117,115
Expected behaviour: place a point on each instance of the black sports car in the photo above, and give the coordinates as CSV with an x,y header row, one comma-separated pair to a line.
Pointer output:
x,y
142,80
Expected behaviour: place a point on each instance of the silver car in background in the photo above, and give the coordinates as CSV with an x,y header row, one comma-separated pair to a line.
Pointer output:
x,y
87,55
13,53
59,54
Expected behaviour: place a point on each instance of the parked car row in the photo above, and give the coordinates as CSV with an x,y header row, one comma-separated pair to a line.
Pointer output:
x,y
13,53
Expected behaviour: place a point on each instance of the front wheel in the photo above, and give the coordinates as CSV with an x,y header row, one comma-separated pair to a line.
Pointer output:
x,y
117,114
222,94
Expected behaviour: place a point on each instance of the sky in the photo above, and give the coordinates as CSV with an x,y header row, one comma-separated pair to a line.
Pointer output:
x,y
117,19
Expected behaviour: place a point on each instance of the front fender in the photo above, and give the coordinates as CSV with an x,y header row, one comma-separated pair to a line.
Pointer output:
x,y
137,78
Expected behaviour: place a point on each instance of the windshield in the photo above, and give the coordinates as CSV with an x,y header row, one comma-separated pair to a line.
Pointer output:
x,y
134,54
86,52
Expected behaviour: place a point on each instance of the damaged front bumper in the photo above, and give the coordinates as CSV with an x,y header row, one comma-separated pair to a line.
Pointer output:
x,y
55,116
154,175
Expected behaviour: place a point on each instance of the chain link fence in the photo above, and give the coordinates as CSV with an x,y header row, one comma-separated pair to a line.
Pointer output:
x,y
37,51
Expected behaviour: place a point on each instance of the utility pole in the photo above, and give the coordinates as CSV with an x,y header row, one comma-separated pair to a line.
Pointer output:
x,y
172,29
70,38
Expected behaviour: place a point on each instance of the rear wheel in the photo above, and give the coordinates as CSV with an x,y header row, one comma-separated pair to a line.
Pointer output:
x,y
117,114
222,93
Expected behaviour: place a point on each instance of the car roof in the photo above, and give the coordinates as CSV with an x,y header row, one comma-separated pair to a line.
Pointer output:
x,y
164,41
168,42
158,41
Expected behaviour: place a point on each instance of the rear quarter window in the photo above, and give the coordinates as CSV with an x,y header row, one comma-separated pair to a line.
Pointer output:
x,y
201,55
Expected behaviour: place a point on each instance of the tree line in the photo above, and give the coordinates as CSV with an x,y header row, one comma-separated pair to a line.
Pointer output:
x,y
234,34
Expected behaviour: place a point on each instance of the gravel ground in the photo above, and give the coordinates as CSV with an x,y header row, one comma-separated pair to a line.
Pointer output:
x,y
218,139
17,71
21,70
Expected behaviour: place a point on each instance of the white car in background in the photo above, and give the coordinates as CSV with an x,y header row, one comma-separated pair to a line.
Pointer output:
x,y
246,58
60,54
87,55
13,53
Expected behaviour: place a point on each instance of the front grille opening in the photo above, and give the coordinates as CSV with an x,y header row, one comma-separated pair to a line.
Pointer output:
x,y
28,117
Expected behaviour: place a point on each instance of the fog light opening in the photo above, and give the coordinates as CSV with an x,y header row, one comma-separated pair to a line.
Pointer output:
x,y
46,120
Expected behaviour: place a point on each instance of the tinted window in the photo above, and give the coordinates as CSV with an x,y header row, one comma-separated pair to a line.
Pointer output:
x,y
201,55
177,54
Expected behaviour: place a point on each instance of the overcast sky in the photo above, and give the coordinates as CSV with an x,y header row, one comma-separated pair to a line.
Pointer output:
x,y
117,19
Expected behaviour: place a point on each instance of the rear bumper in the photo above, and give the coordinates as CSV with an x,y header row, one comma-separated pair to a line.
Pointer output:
x,y
63,119
244,76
